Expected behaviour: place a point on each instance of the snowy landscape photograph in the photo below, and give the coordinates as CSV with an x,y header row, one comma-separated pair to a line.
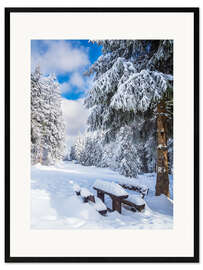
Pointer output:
x,y
101,134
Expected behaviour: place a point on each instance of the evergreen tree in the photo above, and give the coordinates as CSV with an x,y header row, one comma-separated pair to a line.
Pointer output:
x,y
36,125
127,156
79,149
47,124
87,149
72,153
133,79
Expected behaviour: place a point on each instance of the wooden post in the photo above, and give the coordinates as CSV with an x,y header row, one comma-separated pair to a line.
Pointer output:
x,y
116,205
100,195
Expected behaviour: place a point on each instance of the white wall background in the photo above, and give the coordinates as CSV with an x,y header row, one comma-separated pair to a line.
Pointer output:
x,y
78,3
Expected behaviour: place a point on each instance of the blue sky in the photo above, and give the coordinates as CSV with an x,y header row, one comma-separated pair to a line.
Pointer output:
x,y
68,59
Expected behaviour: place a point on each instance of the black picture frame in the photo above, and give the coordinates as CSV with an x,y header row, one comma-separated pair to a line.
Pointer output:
x,y
8,257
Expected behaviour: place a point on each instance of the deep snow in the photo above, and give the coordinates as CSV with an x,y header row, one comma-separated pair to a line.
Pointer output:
x,y
54,204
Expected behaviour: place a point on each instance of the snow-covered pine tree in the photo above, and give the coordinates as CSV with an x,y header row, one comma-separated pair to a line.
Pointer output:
x,y
108,156
54,136
126,155
36,124
47,124
72,153
78,149
87,149
93,148
133,77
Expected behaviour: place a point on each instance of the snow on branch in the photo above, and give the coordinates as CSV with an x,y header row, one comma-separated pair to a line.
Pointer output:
x,y
139,91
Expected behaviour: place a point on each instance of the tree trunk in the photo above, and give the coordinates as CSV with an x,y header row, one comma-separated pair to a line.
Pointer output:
x,y
162,182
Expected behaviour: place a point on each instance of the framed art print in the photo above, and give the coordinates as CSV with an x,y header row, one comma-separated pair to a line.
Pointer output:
x,y
102,134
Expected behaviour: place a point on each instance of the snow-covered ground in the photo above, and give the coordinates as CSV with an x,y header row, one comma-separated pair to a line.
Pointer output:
x,y
54,204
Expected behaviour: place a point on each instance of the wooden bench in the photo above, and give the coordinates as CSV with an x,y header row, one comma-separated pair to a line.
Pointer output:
x,y
134,202
100,206
144,192
133,184
84,193
87,196
77,189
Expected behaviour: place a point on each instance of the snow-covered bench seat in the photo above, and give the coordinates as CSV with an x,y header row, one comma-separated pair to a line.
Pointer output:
x,y
115,191
86,195
77,189
135,202
100,206
132,184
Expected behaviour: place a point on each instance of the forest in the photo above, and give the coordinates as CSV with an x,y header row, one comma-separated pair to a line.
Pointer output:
x,y
128,139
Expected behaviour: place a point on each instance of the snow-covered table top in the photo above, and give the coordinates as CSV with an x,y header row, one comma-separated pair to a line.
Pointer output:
x,y
111,188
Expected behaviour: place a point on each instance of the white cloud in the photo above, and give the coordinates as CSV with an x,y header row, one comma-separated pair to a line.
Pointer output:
x,y
65,87
77,80
82,83
75,115
60,58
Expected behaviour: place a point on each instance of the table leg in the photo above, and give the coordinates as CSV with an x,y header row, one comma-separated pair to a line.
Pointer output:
x,y
100,195
116,205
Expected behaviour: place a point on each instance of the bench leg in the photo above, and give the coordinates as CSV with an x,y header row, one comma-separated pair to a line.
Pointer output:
x,y
116,205
91,198
100,195
85,199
